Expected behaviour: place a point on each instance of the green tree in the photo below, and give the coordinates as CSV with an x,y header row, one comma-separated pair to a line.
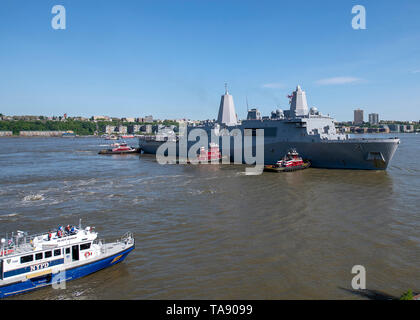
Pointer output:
x,y
407,295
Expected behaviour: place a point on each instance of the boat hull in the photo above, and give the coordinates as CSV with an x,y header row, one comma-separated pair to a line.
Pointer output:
x,y
119,152
362,154
271,168
69,274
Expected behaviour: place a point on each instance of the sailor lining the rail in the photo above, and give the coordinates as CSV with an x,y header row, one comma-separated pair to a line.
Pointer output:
x,y
60,231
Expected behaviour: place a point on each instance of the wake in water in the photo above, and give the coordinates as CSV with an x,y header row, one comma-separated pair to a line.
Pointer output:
x,y
199,192
9,217
33,197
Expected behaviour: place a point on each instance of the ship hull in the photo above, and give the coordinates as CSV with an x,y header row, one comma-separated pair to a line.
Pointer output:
x,y
363,154
374,154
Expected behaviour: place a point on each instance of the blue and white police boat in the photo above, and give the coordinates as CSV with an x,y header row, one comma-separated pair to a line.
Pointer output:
x,y
29,262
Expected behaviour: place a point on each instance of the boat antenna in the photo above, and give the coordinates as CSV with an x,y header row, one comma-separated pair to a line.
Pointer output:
x,y
247,107
80,223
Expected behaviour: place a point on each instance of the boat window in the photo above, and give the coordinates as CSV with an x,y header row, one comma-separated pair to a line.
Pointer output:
x,y
268,131
84,246
38,256
25,259
48,254
67,250
57,252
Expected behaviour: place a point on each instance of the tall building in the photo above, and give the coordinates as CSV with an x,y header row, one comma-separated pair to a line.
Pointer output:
x,y
374,118
148,119
358,117
133,128
109,129
122,129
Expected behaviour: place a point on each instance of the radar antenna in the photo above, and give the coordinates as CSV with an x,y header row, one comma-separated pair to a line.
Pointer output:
x,y
290,97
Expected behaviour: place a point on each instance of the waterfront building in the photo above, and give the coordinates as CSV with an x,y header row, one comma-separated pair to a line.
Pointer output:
x,y
109,129
122,129
345,129
26,118
133,128
358,117
394,127
407,128
148,119
100,118
384,130
128,119
6,133
80,119
41,133
373,119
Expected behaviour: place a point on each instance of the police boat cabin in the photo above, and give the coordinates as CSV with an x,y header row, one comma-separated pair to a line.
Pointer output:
x,y
29,262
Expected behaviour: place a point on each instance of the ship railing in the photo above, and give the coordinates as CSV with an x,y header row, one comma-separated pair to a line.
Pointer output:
x,y
22,241
127,238
101,244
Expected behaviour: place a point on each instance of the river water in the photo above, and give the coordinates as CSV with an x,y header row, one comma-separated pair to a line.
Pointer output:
x,y
212,232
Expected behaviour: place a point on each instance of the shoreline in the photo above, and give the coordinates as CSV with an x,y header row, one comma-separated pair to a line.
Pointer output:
x,y
99,136
18,136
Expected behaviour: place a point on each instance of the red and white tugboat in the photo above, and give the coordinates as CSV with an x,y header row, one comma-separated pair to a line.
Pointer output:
x,y
290,162
119,148
208,155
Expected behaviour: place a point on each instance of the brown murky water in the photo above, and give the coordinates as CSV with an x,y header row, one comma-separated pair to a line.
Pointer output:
x,y
211,232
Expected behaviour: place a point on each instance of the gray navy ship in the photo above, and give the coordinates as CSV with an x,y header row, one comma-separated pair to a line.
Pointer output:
x,y
311,133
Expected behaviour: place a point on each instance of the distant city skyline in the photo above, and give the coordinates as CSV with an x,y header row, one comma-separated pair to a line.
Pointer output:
x,y
171,59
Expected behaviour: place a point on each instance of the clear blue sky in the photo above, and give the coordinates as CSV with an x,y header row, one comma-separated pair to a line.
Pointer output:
x,y
172,58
